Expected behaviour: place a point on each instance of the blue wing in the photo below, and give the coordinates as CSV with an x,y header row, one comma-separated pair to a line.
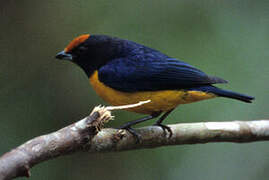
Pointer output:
x,y
148,74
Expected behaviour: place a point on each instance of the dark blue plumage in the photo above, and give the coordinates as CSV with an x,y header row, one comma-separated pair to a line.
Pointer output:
x,y
146,74
131,67
144,69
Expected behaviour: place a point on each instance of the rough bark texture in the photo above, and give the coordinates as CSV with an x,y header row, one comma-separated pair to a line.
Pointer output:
x,y
109,140
85,135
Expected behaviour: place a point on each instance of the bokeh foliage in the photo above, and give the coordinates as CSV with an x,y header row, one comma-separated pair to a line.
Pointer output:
x,y
39,94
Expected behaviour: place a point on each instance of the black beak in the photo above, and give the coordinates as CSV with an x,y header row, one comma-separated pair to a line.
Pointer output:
x,y
64,55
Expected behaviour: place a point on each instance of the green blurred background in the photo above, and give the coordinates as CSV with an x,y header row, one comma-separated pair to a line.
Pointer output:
x,y
39,94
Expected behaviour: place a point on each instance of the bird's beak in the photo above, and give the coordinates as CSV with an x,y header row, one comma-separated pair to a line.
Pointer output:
x,y
64,55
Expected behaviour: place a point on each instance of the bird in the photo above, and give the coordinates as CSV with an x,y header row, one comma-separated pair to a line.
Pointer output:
x,y
125,72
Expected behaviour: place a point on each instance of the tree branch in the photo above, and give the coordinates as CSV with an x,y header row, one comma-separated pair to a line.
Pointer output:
x,y
85,135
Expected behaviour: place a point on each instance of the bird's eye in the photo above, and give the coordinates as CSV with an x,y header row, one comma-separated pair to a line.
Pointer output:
x,y
79,50
82,48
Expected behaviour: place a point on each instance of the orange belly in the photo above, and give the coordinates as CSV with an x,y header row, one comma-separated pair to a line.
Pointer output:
x,y
164,100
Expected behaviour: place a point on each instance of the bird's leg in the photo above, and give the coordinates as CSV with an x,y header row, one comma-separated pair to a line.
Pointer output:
x,y
164,127
127,126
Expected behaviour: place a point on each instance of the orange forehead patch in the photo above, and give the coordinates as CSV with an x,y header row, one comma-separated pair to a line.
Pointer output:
x,y
77,41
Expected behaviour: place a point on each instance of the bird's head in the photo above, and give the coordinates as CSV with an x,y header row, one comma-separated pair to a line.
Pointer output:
x,y
91,52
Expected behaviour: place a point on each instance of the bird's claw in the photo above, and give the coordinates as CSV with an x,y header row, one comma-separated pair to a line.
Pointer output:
x,y
133,132
164,127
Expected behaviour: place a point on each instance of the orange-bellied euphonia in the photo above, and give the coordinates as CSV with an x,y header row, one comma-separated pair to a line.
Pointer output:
x,y
124,72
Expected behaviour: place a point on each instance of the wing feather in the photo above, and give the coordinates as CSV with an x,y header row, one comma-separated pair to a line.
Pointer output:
x,y
131,75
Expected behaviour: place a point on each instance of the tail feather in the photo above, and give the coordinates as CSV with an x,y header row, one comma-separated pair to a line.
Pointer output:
x,y
234,95
226,93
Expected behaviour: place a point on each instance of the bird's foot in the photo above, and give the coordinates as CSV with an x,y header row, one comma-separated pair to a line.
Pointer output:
x,y
164,127
133,132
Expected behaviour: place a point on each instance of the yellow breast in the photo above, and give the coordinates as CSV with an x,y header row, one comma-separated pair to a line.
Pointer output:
x,y
164,100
